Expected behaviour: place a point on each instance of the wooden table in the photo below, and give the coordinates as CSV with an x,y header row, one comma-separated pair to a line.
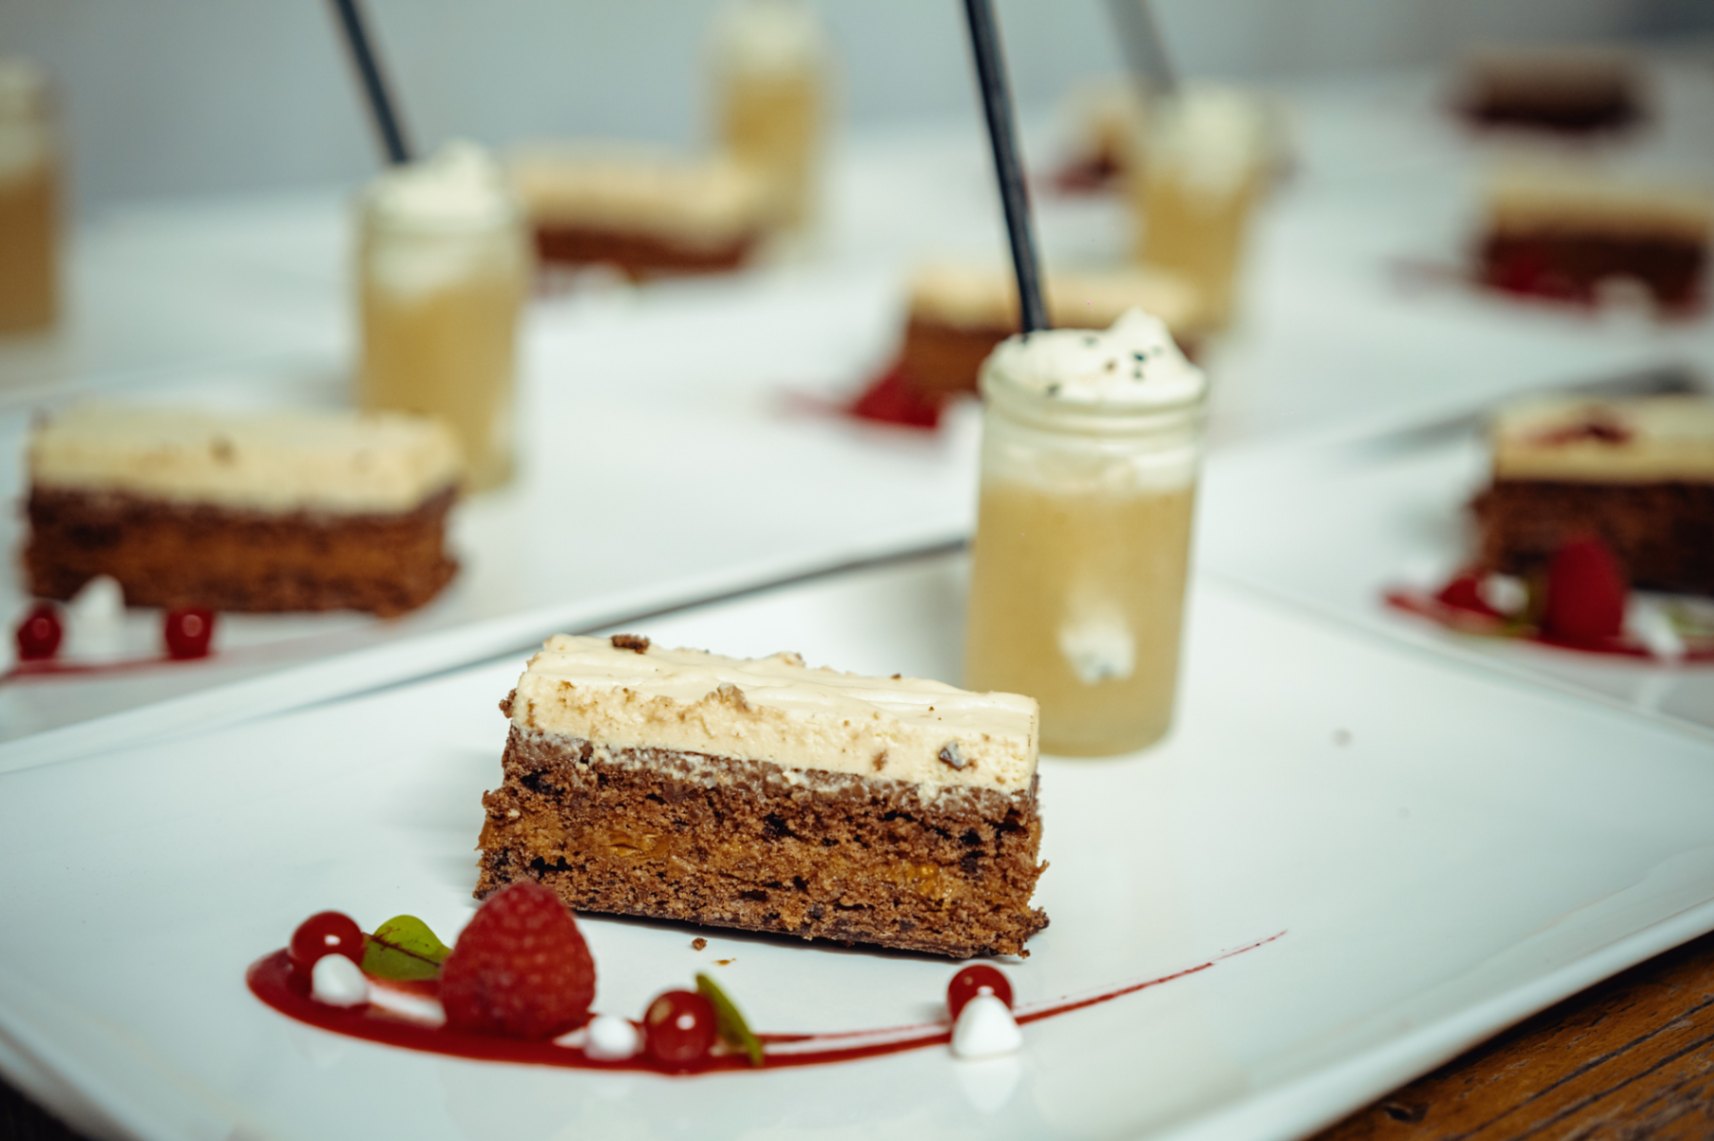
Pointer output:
x,y
1630,1057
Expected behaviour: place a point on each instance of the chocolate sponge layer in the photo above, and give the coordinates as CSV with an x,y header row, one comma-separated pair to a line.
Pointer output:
x,y
189,554
1662,533
728,842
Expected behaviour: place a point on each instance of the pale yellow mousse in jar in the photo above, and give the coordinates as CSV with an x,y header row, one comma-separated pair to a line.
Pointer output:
x,y
1208,156
444,269
771,62
30,192
1091,443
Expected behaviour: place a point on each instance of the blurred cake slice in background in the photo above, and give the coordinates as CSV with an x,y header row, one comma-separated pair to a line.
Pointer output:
x,y
959,312
1107,120
642,211
1564,89
1636,473
242,511
1570,233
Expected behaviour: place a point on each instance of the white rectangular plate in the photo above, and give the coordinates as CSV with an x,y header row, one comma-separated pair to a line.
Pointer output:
x,y
1334,526
1444,852
660,461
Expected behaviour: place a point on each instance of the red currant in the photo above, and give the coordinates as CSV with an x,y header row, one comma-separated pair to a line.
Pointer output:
x,y
679,1028
189,632
1465,593
972,981
325,933
39,633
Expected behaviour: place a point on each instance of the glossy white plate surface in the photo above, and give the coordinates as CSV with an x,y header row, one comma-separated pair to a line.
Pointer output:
x,y
1334,526
1445,851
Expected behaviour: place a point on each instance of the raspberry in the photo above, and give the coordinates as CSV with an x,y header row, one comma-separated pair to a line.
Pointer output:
x,y
1585,594
520,968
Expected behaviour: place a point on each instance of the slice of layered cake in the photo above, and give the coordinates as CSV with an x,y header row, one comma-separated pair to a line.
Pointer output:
x,y
1566,233
1638,474
959,313
641,211
284,511
1571,90
769,796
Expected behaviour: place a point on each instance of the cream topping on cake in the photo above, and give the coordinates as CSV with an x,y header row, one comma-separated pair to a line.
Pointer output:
x,y
974,295
1641,440
1133,364
1528,199
345,462
779,710
704,201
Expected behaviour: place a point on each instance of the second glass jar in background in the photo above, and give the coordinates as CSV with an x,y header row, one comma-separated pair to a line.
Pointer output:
x,y
1204,161
1082,546
770,65
444,267
30,178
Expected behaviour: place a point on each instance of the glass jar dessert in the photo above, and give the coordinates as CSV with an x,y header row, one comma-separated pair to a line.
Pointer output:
x,y
1091,443
770,65
444,268
1205,160
29,200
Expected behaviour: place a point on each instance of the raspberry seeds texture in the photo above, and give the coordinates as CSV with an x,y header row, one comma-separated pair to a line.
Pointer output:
x,y
520,969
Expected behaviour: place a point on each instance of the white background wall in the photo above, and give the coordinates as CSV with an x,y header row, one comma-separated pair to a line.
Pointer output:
x,y
201,96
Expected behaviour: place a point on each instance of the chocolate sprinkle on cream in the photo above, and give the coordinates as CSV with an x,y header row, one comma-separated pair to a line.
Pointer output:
x,y
634,642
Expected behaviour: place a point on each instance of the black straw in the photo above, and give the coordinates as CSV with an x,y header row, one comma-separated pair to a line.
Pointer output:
x,y
374,84
1014,197
1145,51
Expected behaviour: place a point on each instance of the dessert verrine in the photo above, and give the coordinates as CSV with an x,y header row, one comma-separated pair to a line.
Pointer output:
x,y
1566,233
769,796
642,211
1090,449
771,65
1638,474
1208,158
959,312
444,269
29,200
242,511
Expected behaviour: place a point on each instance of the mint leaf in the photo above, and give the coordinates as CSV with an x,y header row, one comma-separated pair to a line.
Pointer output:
x,y
734,1031
404,949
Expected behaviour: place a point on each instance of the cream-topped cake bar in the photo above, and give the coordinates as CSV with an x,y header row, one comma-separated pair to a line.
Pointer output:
x,y
1639,473
959,313
641,210
1565,231
242,511
768,795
